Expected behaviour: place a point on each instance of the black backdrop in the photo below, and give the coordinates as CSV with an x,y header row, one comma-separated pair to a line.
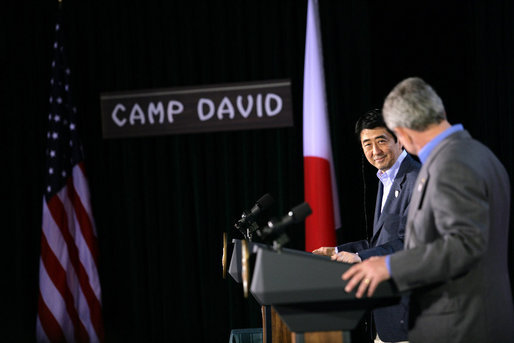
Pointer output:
x,y
162,203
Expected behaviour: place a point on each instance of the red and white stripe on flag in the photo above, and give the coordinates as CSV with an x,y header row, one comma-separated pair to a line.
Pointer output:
x,y
69,306
319,177
69,302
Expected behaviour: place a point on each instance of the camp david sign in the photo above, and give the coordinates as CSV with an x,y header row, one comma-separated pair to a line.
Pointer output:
x,y
226,107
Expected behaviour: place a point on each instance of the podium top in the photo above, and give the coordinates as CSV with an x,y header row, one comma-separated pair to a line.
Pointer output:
x,y
294,276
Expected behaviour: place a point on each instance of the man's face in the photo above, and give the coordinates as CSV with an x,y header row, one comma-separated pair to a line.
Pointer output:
x,y
380,148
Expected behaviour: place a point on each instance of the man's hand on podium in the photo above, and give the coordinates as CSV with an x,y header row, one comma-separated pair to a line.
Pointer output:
x,y
345,256
366,275
325,251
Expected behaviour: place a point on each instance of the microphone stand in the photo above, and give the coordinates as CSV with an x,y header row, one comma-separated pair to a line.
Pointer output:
x,y
279,242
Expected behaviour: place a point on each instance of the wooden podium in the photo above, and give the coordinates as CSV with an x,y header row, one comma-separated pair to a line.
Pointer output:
x,y
302,295
274,330
279,332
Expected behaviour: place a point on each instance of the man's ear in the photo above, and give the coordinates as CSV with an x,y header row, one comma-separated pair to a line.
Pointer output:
x,y
399,130
406,139
401,134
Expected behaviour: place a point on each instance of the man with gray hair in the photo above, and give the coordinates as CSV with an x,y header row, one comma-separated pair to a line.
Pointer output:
x,y
455,260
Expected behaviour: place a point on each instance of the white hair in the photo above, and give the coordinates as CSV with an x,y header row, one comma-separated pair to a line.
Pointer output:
x,y
413,104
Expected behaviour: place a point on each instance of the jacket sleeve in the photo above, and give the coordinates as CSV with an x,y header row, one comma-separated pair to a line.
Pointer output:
x,y
353,246
381,250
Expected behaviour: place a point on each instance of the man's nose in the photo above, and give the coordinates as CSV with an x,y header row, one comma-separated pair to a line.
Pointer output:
x,y
376,149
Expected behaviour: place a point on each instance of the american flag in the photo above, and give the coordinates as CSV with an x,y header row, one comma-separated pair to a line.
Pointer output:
x,y
69,304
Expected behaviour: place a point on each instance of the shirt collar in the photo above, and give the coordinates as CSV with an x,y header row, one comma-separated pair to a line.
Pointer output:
x,y
427,149
391,172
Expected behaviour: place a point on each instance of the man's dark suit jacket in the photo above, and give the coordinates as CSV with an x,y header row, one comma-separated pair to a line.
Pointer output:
x,y
388,237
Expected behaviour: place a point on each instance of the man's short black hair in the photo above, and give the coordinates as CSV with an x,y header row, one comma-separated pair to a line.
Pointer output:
x,y
371,120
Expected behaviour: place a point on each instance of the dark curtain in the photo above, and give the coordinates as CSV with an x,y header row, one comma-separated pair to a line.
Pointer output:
x,y
162,204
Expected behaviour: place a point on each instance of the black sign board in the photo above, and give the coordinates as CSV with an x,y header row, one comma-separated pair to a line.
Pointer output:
x,y
225,107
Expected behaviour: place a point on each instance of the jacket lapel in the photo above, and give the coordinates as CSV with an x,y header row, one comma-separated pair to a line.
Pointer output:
x,y
378,206
415,203
395,192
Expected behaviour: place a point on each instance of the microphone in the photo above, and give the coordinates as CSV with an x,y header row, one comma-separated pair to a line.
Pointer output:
x,y
247,224
260,205
295,215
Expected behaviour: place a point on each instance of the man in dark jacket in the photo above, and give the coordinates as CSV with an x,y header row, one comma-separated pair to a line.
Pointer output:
x,y
397,172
